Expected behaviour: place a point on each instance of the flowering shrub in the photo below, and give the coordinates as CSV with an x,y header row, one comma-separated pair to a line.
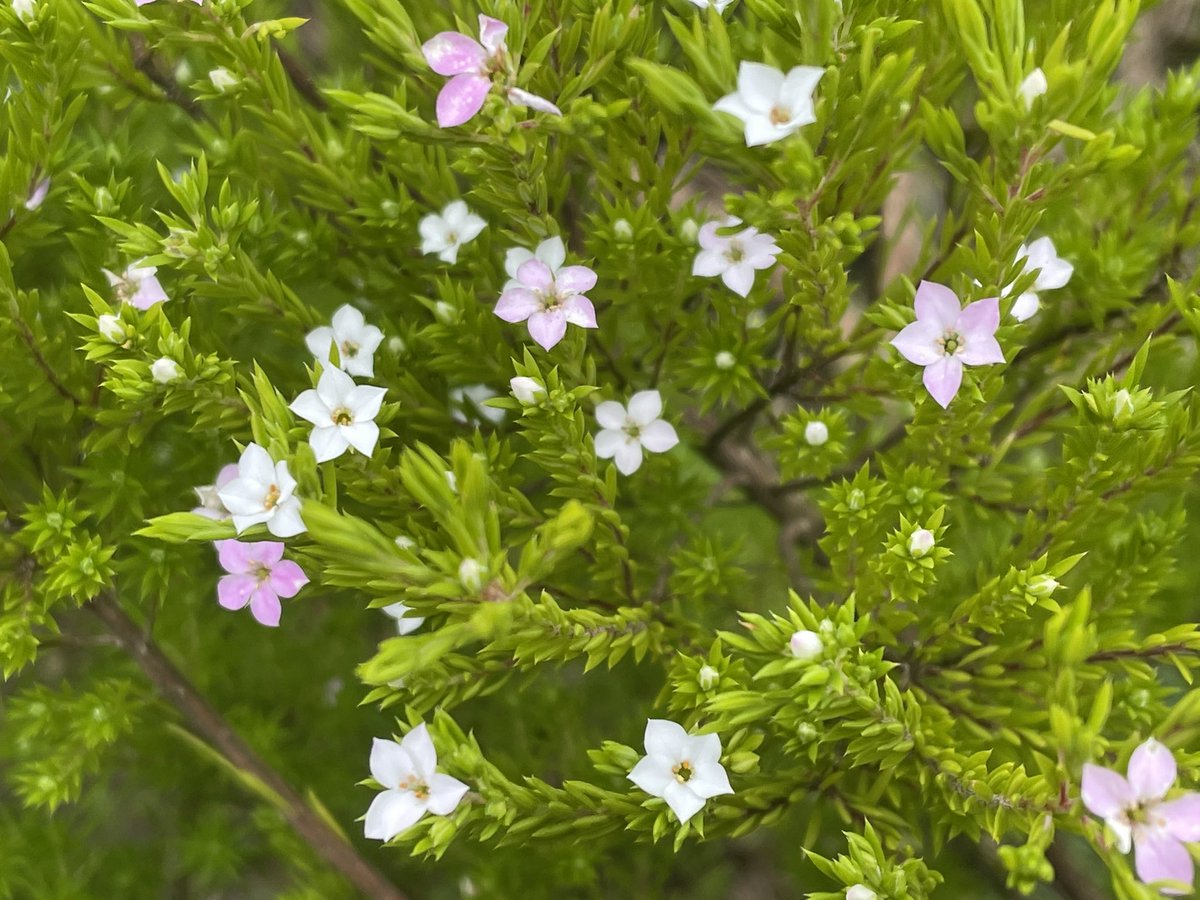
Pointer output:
x,y
666,448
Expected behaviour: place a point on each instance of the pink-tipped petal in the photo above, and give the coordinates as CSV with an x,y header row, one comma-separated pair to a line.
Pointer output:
x,y
235,591
943,379
575,279
548,328
1151,770
287,578
937,305
517,304
265,608
1182,817
1159,857
235,556
536,275
461,99
580,311
451,53
1104,792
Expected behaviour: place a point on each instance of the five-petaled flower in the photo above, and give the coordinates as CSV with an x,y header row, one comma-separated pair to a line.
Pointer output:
x,y
770,104
547,299
412,785
356,342
258,575
946,337
735,257
138,286
444,233
626,432
1052,270
211,506
683,769
342,413
263,492
473,67
1136,811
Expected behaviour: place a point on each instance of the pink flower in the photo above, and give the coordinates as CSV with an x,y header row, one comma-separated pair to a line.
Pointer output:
x,y
946,337
258,575
472,66
1136,811
138,286
548,300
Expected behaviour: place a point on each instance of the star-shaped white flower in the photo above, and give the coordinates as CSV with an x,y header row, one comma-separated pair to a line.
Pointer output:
x,y
342,413
444,234
552,251
405,623
412,785
625,432
263,492
770,104
1053,272
734,257
138,286
356,342
683,769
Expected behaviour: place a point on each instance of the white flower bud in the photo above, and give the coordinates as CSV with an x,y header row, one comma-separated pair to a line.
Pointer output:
x,y
24,9
806,645
404,542
396,345
1042,585
921,542
527,390
856,499
222,79
164,370
689,230
1122,405
816,433
725,360
1033,86
445,313
756,318
860,892
708,678
470,573
622,230
111,328
452,480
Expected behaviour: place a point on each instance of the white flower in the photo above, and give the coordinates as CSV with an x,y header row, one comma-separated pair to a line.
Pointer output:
x,y
806,645
405,623
138,286
688,230
444,234
1033,87
263,492
685,770
816,433
164,370
1122,404
222,79
470,399
724,360
111,328
708,677
625,432
1053,273
356,342
470,574
24,9
412,785
860,892
1042,585
622,230
342,413
734,257
551,251
921,542
719,5
527,390
770,104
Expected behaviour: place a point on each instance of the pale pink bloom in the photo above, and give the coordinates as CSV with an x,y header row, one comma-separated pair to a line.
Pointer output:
x,y
1136,811
138,286
342,413
356,342
548,300
735,257
946,337
1053,272
38,195
552,251
264,491
211,506
412,785
683,769
770,104
258,575
626,432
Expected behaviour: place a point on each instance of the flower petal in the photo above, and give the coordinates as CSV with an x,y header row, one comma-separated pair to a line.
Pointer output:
x,y
234,556
365,400
666,739
256,464
918,343
608,442
735,106
287,578
234,591
1151,771
517,304
759,85
645,407
419,747
575,279
1025,306
798,86
518,97
709,780
547,327
389,763
709,263
491,33
682,800
451,53
391,813
579,310
348,322
286,522
1104,792
244,497
611,414
536,275
1159,857
979,319
739,278
461,99
445,792
310,407
1181,817
319,341
652,775
936,305
362,436
628,457
552,252
943,379
658,437
265,607
983,351
328,442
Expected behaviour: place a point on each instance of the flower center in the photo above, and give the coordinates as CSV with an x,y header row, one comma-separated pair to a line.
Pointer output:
x,y
683,772
349,349
736,252
273,495
419,789
452,238
262,573
780,115
342,416
951,342
551,299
